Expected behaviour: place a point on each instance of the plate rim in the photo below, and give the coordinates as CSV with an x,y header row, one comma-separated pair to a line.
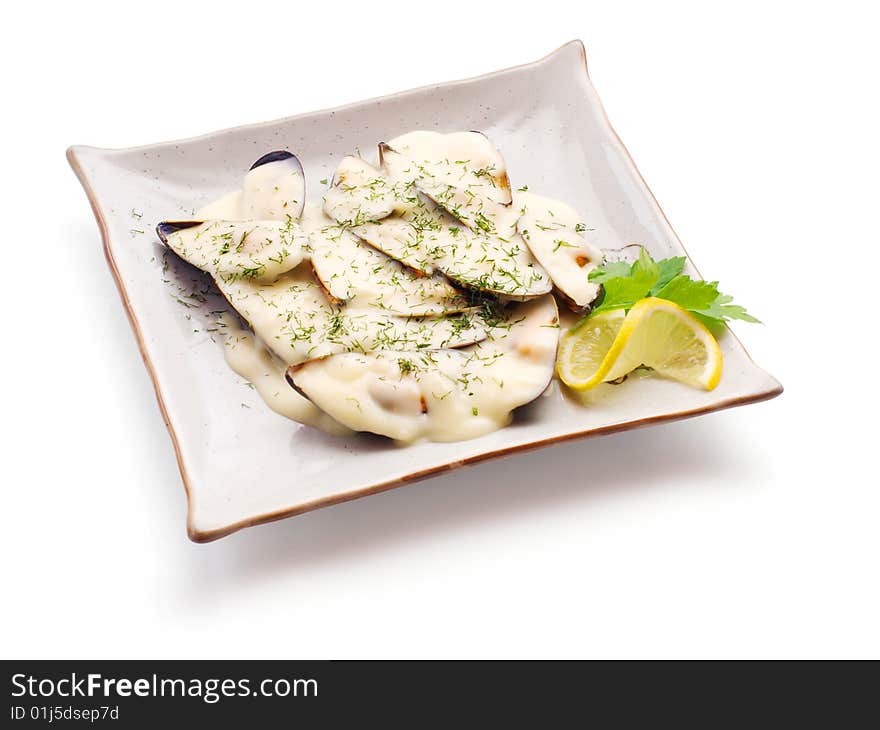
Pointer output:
x,y
199,535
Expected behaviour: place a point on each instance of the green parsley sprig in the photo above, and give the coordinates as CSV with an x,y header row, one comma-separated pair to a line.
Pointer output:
x,y
625,284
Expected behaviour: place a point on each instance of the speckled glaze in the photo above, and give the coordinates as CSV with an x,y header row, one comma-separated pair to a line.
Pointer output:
x,y
241,463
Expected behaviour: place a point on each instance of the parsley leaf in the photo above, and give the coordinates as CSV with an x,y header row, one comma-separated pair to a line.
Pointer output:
x,y
610,270
645,268
689,294
721,309
624,284
669,269
621,292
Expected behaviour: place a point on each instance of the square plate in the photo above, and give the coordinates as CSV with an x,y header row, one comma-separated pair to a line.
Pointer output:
x,y
241,463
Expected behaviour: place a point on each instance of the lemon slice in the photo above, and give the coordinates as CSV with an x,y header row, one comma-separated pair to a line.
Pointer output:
x,y
655,332
582,350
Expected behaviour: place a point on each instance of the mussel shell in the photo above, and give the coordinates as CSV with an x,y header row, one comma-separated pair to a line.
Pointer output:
x,y
384,147
166,228
336,180
276,156
292,370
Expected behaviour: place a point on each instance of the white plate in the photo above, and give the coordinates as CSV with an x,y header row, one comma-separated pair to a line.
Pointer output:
x,y
241,463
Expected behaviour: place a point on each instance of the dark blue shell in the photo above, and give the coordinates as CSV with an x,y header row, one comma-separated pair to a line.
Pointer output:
x,y
276,156
166,228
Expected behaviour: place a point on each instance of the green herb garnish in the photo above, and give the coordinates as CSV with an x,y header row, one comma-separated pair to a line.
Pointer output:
x,y
625,284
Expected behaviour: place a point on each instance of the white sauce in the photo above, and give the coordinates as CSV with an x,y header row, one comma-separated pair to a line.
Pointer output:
x,y
356,306
421,234
459,161
236,249
273,191
354,273
361,193
445,395
553,232
293,316
288,307
462,172
253,362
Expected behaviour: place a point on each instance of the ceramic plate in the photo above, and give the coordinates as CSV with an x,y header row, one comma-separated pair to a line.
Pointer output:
x,y
241,463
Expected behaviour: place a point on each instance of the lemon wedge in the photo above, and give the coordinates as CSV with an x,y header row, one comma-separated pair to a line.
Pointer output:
x,y
655,332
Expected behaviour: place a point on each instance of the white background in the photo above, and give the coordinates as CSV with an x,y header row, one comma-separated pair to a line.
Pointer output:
x,y
749,533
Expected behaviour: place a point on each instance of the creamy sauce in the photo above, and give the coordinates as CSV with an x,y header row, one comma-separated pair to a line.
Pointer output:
x,y
271,191
554,233
427,236
253,362
355,300
352,305
463,171
355,273
445,395
293,316
361,193
235,249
